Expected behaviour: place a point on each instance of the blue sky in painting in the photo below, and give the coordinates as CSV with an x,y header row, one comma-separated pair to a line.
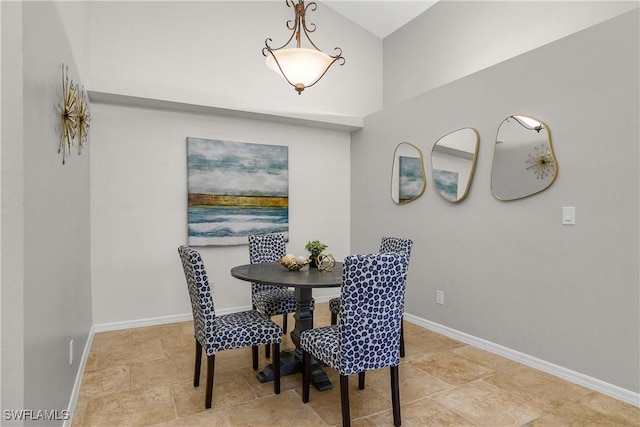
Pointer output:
x,y
236,168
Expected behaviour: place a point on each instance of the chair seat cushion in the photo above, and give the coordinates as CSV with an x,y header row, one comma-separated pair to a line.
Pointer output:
x,y
243,329
276,301
322,343
334,305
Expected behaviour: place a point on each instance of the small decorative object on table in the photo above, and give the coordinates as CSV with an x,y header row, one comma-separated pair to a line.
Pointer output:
x,y
293,263
326,262
315,248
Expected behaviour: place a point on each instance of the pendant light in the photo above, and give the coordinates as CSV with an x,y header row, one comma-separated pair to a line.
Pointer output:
x,y
301,67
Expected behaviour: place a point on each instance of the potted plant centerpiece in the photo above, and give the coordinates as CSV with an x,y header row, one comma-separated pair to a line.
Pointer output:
x,y
315,248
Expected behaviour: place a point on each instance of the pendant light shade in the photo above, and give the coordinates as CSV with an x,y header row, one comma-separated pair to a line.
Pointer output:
x,y
300,67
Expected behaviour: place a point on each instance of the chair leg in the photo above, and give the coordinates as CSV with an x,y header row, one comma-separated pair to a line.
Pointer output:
x,y
395,395
284,323
401,337
334,318
267,351
254,357
196,372
306,375
361,380
276,368
344,400
211,363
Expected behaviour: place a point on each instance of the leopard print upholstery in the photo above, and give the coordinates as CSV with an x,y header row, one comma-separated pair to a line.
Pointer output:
x,y
388,244
367,336
268,299
216,333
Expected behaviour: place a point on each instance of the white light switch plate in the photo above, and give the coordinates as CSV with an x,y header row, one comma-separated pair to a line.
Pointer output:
x,y
568,215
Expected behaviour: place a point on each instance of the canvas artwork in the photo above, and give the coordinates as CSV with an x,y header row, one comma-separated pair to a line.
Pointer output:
x,y
236,189
447,183
411,178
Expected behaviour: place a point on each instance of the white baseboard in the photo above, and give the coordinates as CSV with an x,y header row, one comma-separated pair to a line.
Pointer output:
x,y
139,323
152,321
78,382
611,390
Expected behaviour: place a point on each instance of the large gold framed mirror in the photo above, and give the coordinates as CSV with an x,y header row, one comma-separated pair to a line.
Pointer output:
x,y
408,179
453,160
523,159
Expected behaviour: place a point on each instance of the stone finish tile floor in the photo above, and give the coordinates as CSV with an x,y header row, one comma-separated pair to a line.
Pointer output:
x,y
144,377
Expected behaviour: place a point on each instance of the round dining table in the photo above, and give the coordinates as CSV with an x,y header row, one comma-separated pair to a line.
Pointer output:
x,y
302,281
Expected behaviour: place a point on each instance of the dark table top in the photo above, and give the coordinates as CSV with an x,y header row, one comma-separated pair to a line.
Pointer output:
x,y
272,273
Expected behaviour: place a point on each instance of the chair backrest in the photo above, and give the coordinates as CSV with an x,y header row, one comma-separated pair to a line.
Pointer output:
x,y
265,248
396,244
200,295
371,309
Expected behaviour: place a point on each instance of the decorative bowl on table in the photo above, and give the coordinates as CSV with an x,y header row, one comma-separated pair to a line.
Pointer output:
x,y
293,263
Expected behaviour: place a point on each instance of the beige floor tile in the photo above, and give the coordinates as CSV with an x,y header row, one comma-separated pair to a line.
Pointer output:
x,y
111,338
486,405
135,352
422,413
209,418
287,382
78,414
483,357
420,342
285,409
598,409
539,389
361,402
451,368
132,408
154,373
414,383
229,388
178,345
92,361
106,381
145,376
185,365
553,420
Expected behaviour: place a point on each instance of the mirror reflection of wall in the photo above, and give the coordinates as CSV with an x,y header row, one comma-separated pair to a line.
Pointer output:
x,y
453,161
523,159
408,179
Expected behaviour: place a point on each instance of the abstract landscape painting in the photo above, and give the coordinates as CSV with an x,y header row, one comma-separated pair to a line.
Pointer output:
x,y
236,189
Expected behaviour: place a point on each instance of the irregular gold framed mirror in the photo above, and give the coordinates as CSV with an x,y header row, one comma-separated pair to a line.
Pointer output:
x,y
523,159
408,179
453,161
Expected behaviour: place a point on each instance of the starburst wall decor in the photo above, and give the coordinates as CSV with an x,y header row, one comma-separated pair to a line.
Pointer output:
x,y
74,116
540,161
84,118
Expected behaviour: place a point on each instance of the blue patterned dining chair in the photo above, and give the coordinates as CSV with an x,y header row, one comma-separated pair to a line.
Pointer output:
x,y
388,244
267,299
367,336
215,333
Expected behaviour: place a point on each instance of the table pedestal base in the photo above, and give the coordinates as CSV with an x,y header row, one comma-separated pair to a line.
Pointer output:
x,y
291,363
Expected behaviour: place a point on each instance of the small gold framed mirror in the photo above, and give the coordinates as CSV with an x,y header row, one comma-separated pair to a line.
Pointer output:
x,y
523,159
453,161
408,179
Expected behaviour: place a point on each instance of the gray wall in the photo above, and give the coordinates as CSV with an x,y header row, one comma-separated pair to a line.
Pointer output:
x,y
454,38
50,281
510,272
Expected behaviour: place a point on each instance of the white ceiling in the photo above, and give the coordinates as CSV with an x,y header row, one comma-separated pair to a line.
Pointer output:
x,y
380,17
